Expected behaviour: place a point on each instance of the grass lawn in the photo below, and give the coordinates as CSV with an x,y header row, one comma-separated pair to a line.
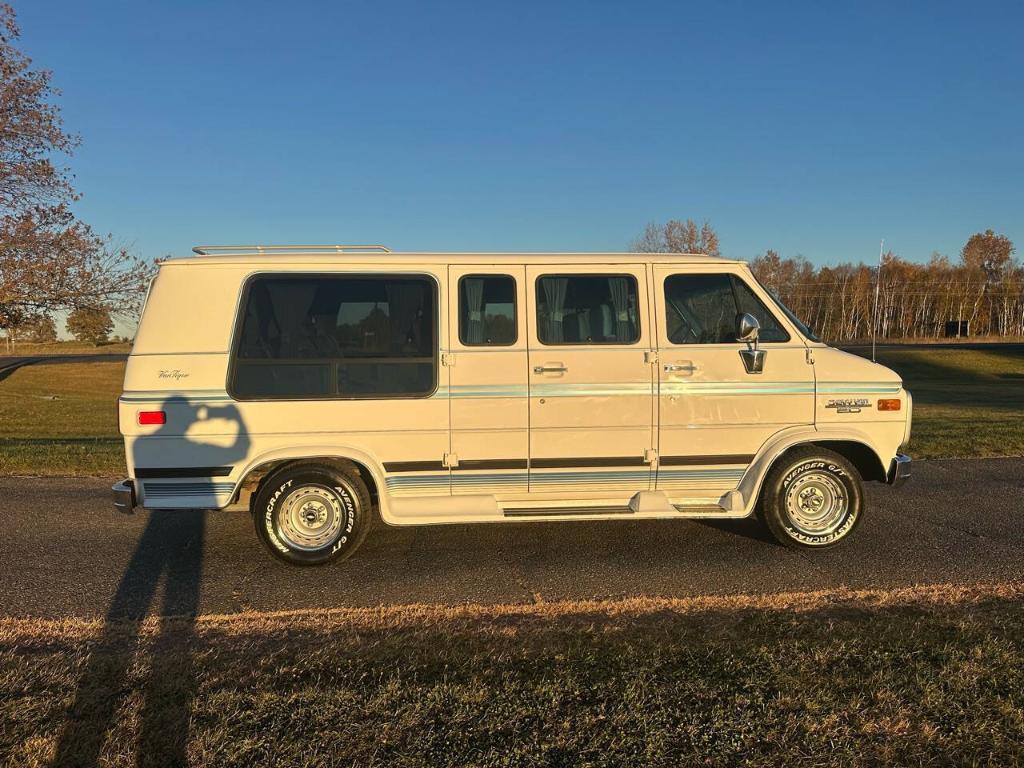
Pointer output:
x,y
925,676
60,418
67,348
967,402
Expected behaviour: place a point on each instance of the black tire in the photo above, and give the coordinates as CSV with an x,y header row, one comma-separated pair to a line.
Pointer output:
x,y
312,513
800,480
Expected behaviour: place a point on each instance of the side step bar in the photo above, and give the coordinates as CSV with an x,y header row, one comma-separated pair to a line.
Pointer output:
x,y
545,512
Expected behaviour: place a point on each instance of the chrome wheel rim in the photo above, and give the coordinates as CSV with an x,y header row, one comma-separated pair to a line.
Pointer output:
x,y
310,518
817,504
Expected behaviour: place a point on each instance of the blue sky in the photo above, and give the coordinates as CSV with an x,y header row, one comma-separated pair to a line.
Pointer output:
x,y
811,128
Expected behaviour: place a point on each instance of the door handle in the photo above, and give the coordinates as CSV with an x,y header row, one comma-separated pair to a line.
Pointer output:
x,y
679,367
549,369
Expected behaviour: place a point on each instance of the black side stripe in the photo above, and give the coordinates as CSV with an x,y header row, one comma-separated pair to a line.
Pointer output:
x,y
596,461
689,461
492,464
151,472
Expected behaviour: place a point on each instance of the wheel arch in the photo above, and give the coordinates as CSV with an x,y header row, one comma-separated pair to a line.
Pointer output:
x,y
861,455
365,465
853,445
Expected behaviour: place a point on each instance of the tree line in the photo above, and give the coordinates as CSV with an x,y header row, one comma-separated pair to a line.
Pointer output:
x,y
983,288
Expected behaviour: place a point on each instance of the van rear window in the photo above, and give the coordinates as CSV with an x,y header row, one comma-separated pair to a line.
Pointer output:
x,y
347,336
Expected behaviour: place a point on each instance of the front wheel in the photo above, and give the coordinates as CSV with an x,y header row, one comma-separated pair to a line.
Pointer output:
x,y
312,514
812,497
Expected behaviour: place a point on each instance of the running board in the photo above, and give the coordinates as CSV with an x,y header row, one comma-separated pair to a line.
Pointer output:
x,y
547,512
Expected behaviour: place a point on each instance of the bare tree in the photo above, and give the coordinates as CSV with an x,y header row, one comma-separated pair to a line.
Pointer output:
x,y
675,236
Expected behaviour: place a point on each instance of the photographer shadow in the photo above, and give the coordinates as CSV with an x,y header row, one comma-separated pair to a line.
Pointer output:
x,y
170,549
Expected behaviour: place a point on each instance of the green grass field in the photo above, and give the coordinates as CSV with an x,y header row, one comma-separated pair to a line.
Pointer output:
x,y
60,418
926,676
966,402
68,348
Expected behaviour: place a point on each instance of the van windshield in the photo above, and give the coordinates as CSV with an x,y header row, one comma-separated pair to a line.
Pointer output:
x,y
805,329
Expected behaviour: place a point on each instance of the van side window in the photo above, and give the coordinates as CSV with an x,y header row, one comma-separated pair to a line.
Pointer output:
x,y
587,309
487,311
345,337
702,309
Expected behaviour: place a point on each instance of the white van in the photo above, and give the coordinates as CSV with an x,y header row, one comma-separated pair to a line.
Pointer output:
x,y
320,386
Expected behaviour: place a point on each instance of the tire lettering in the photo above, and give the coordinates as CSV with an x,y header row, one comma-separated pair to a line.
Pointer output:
x,y
846,525
268,517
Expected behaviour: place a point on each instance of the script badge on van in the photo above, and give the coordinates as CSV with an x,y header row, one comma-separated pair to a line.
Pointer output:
x,y
177,374
849,405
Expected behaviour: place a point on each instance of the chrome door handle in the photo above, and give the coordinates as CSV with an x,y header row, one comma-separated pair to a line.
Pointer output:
x,y
549,369
677,367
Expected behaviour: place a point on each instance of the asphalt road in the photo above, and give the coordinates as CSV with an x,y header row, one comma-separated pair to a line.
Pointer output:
x,y
10,363
65,552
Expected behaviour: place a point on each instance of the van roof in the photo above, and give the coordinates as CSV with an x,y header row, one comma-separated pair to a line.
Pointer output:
x,y
319,257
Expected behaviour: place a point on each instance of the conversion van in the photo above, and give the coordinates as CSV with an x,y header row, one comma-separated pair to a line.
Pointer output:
x,y
323,386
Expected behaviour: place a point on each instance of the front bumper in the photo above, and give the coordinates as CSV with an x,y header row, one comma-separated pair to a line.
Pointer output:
x,y
124,497
899,470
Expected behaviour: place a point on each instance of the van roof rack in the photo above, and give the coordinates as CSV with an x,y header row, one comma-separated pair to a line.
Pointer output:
x,y
228,250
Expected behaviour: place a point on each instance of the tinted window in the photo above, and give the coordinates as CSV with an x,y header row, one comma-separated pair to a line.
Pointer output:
x,y
351,336
702,309
487,310
587,309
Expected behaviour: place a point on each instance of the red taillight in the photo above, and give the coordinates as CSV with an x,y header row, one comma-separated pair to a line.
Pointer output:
x,y
888,405
152,417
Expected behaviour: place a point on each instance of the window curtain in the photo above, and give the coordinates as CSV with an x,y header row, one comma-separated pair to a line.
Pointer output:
x,y
554,292
619,289
292,302
583,326
474,287
608,328
405,303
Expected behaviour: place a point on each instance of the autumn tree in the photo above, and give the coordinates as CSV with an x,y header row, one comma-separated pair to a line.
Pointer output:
x,y
675,236
90,324
781,275
49,260
40,329
988,252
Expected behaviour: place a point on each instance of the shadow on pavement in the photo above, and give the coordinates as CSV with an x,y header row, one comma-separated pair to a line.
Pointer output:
x,y
170,546
747,527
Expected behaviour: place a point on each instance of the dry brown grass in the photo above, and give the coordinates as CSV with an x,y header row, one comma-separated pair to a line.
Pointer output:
x,y
930,675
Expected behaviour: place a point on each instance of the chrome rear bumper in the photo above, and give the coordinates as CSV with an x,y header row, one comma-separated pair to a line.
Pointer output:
x,y
899,470
124,497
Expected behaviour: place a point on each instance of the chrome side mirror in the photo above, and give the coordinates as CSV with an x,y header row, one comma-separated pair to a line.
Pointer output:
x,y
747,330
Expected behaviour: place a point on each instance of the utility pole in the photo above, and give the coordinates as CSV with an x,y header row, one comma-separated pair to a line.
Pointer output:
x,y
878,284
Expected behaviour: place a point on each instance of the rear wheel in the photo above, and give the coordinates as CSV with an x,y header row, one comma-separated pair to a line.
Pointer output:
x,y
312,514
812,497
